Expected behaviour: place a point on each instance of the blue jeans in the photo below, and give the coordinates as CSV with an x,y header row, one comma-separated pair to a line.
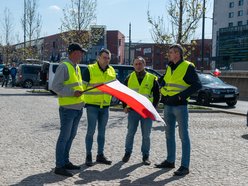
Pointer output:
x,y
94,115
69,120
179,114
13,82
133,123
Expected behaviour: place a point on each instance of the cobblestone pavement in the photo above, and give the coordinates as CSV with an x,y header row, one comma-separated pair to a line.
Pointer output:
x,y
29,129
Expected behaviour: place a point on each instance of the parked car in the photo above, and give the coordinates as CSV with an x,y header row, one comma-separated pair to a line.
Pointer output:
x,y
214,90
1,70
28,75
121,72
49,69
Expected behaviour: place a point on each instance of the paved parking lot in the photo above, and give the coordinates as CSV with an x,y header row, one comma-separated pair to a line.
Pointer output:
x,y
29,127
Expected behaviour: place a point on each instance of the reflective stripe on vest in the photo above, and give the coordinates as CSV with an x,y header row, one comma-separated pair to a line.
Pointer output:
x,y
97,76
74,82
174,83
145,88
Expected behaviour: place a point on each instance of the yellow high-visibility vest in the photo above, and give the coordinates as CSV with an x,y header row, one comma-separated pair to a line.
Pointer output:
x,y
145,88
74,82
174,83
97,77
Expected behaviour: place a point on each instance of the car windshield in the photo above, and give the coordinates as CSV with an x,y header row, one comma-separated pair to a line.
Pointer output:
x,y
209,79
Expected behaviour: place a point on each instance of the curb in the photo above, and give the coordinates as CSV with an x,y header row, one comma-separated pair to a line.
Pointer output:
x,y
204,110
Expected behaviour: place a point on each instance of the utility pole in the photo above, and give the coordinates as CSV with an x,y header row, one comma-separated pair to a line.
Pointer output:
x,y
129,45
203,33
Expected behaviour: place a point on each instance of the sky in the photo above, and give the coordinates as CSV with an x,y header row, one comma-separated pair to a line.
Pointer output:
x,y
115,14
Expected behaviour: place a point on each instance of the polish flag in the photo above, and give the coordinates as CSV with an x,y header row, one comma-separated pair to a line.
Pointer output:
x,y
136,101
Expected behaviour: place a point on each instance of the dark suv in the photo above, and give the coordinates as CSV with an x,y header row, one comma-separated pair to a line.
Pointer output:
x,y
214,90
1,70
28,75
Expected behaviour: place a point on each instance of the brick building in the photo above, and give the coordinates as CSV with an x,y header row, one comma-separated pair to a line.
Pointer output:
x,y
156,54
53,47
116,44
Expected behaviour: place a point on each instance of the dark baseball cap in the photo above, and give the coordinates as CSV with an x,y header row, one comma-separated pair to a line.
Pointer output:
x,y
76,46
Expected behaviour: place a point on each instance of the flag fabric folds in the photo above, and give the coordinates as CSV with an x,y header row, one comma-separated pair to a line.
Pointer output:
x,y
136,101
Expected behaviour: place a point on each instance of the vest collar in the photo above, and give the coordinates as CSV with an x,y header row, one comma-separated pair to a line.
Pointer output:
x,y
101,67
174,66
140,75
68,60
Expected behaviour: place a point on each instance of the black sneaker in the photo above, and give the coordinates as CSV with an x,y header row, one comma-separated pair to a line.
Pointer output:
x,y
63,172
102,159
88,161
165,164
70,166
146,160
126,157
182,171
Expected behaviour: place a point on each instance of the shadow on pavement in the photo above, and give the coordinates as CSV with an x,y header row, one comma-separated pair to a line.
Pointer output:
x,y
112,173
245,136
45,178
41,179
149,179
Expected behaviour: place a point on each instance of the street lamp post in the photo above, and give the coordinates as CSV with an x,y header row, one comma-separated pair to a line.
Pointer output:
x,y
129,45
203,33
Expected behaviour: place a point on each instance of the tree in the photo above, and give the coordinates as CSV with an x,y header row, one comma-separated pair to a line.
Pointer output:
x,y
77,20
31,23
184,17
7,28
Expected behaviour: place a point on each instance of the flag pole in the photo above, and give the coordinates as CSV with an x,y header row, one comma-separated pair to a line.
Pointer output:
x,y
98,86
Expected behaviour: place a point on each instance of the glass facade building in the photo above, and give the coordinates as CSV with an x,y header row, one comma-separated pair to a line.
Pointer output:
x,y
232,45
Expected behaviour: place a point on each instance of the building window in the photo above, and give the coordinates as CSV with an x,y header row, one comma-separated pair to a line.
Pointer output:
x,y
231,14
241,2
240,23
231,4
119,42
240,13
230,24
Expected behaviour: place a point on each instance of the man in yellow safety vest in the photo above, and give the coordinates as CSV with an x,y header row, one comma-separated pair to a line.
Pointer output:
x,y
67,83
146,84
179,82
97,104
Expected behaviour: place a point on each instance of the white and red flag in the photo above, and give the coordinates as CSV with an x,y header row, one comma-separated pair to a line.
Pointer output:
x,y
136,101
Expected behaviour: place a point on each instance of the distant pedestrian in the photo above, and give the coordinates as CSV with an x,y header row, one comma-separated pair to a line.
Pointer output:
x,y
146,84
6,73
67,84
13,72
179,82
97,104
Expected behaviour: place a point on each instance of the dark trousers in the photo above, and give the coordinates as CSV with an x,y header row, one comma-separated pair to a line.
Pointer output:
x,y
5,80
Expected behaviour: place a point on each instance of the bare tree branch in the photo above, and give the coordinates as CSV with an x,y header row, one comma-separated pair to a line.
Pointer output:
x,y
184,17
31,23
78,17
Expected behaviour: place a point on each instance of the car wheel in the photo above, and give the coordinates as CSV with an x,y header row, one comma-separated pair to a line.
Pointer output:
x,y
231,103
28,84
203,99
